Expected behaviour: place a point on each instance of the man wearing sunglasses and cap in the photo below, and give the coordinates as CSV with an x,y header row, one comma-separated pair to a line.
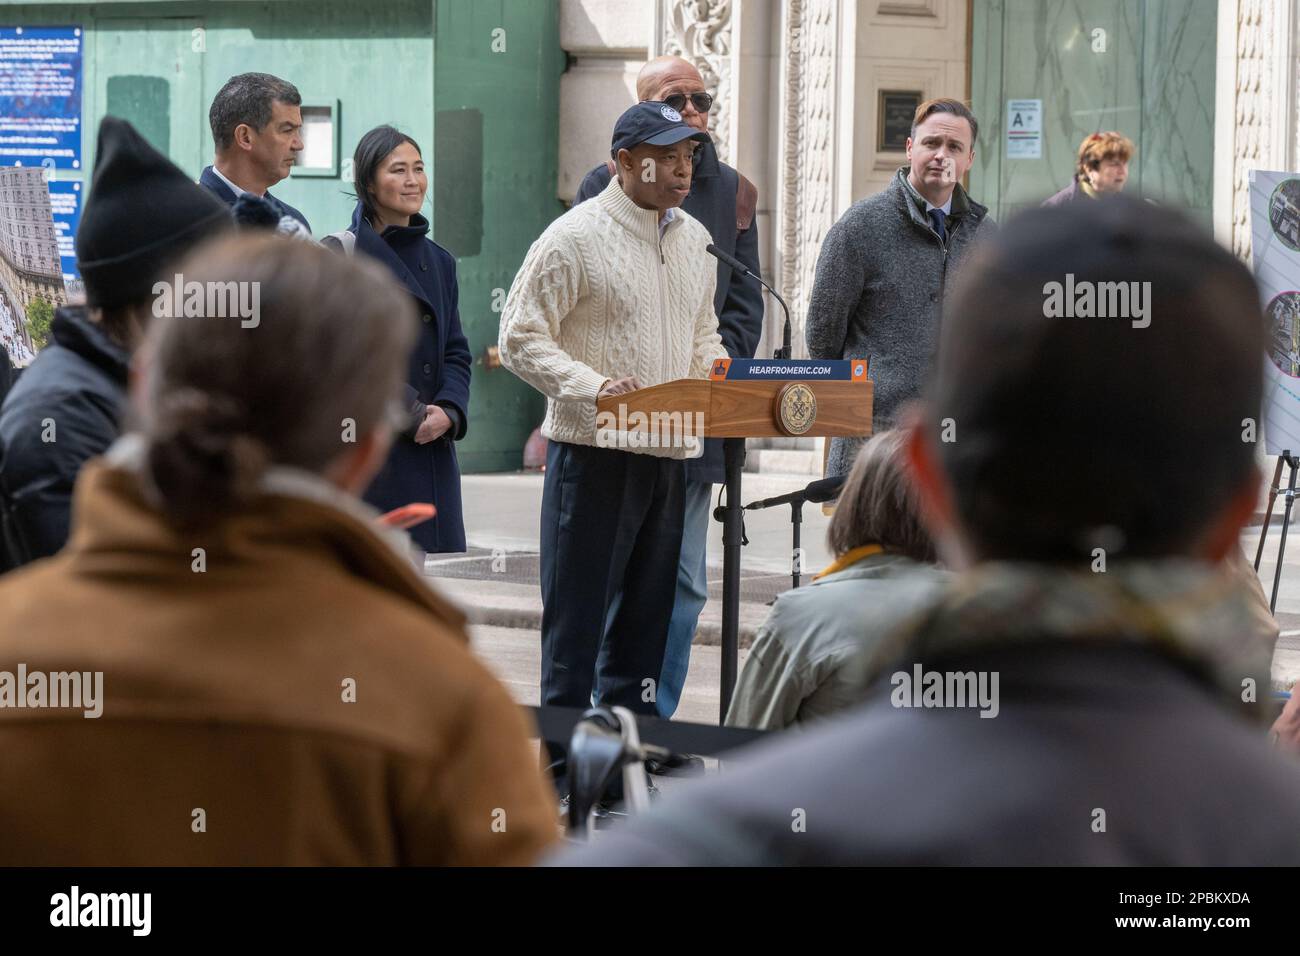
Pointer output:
x,y
724,201
616,295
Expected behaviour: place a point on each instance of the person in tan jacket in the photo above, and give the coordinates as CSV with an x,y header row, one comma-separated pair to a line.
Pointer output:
x,y
275,684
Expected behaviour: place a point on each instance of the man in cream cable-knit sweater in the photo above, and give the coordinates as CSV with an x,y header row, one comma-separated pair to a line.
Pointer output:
x,y
617,294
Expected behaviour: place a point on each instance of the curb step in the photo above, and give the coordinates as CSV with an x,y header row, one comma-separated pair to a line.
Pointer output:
x,y
520,606
784,443
786,456
764,460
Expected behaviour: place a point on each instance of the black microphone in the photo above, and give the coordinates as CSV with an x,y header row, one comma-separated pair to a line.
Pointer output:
x,y
784,351
823,489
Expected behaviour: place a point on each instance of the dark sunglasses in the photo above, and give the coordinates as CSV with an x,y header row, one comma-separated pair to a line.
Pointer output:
x,y
702,101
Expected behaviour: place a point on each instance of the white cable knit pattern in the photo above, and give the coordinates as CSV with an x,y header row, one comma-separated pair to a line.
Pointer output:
x,y
593,302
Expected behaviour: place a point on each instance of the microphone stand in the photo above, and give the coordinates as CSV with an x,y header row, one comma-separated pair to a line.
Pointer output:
x,y
796,506
733,536
785,351
796,523
824,489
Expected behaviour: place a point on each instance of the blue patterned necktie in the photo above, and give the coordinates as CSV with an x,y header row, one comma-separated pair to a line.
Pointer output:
x,y
936,217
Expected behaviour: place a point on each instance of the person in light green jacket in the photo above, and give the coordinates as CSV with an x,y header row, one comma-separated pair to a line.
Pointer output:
x,y
821,643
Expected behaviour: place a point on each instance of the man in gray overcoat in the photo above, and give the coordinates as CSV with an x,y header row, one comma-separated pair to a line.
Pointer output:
x,y
883,266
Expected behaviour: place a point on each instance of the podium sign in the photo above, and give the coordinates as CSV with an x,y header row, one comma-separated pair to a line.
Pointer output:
x,y
742,398
748,407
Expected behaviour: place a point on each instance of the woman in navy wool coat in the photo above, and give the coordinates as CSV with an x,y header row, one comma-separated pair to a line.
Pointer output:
x,y
387,226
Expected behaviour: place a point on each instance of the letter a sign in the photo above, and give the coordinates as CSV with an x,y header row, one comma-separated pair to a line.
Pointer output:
x,y
1024,129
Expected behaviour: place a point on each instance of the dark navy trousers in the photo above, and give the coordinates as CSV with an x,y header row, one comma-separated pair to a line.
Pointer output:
x,y
611,537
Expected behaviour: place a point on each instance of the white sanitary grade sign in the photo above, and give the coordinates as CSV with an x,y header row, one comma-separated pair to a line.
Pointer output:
x,y
1024,129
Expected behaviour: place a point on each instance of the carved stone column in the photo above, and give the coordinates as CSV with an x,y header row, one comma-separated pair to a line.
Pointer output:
x,y
700,31
808,147
1262,101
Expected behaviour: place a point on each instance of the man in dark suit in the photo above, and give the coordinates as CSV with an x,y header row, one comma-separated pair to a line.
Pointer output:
x,y
724,202
256,121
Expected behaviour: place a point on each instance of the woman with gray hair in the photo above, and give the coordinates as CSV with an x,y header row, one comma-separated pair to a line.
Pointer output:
x,y
811,654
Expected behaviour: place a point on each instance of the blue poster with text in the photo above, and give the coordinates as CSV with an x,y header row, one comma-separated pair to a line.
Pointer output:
x,y
65,204
40,96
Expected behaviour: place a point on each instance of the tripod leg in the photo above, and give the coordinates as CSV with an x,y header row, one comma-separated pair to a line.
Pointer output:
x,y
1268,515
1291,463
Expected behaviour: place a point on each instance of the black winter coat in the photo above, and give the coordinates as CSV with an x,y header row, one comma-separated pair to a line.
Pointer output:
x,y
439,374
1071,193
210,181
63,410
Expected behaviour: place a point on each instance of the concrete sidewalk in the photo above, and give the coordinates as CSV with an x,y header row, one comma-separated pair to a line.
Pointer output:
x,y
503,511
515,657
496,580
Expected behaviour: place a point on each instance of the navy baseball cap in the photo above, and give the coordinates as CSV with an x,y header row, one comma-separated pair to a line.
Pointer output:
x,y
655,123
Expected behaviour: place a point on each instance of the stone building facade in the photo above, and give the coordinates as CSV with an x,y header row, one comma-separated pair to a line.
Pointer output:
x,y
1257,107
798,86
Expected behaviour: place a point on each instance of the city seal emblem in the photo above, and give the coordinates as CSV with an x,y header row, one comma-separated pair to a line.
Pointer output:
x,y
796,408
670,114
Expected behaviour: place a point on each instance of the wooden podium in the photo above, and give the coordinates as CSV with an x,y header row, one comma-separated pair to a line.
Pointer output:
x,y
735,410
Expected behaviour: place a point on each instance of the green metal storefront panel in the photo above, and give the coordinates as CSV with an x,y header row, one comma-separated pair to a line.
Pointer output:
x,y
1143,67
162,94
492,169
375,60
497,90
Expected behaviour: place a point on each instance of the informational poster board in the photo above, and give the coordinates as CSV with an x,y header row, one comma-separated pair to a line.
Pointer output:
x,y
1275,253
40,96
1024,129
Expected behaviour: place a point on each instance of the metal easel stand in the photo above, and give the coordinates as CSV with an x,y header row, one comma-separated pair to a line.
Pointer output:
x,y
1292,462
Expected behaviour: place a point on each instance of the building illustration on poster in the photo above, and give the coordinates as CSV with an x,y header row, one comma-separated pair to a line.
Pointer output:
x,y
1275,236
31,274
